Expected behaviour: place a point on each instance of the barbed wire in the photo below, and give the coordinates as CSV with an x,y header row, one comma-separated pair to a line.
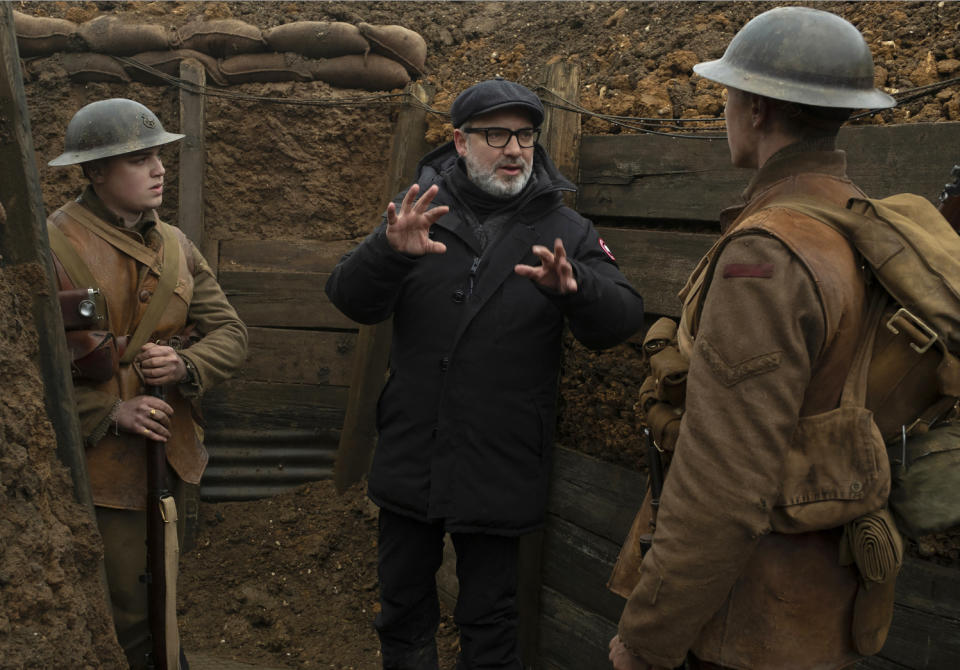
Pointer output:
x,y
649,125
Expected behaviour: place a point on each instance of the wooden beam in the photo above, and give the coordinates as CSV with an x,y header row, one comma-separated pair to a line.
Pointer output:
x,y
269,281
657,262
298,356
561,128
23,240
193,157
595,495
670,178
358,437
561,139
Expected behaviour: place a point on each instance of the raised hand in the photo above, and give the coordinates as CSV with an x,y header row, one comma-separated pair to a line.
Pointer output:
x,y
554,272
408,231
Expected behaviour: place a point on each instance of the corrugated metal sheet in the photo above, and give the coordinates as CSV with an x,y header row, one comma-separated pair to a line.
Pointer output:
x,y
247,466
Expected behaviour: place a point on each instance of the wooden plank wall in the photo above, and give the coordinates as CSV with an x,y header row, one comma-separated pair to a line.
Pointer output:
x,y
591,507
277,423
663,193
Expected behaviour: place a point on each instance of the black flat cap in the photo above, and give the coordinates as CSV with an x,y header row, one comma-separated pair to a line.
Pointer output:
x,y
491,95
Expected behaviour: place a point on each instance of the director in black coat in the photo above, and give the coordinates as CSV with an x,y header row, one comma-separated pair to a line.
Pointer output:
x,y
479,274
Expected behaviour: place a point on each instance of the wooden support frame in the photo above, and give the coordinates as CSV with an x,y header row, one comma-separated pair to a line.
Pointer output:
x,y
358,436
24,240
561,139
193,156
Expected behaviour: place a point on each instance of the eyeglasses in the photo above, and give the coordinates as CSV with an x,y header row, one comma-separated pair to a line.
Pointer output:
x,y
498,138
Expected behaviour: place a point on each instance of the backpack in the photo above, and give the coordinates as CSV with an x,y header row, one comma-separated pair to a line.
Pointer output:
x,y
914,377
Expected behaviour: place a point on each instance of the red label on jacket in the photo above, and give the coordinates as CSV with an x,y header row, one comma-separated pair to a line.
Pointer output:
x,y
606,250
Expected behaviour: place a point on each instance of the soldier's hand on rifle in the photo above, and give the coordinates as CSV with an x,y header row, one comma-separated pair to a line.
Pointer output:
x,y
408,231
147,416
622,659
554,272
160,365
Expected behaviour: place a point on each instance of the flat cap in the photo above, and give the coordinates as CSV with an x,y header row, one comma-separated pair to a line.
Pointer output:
x,y
491,95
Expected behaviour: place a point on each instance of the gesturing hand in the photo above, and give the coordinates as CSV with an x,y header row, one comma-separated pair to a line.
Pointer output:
x,y
147,416
554,272
408,231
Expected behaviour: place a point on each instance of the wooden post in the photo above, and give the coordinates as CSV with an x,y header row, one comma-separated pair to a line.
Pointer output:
x,y
193,157
561,139
561,129
193,161
358,437
23,239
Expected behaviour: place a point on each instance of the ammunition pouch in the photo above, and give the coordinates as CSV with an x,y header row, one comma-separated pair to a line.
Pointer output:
x,y
94,354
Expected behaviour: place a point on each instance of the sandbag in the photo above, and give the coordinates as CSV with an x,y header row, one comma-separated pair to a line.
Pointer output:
x,y
112,35
221,38
398,43
317,39
87,67
42,36
168,62
371,73
265,67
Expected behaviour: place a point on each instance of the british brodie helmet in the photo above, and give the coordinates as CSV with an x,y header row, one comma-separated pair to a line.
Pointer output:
x,y
110,128
801,55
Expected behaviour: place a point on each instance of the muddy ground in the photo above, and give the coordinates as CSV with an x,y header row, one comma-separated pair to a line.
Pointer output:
x,y
291,580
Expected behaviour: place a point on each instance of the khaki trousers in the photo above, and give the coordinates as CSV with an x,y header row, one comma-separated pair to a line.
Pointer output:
x,y
124,534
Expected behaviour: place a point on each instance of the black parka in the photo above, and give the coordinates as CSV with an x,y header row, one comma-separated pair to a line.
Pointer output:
x,y
467,416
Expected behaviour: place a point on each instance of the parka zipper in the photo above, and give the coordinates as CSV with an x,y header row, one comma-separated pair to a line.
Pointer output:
x,y
473,275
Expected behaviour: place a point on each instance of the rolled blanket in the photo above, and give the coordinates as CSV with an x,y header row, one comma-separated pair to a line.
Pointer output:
x,y
873,542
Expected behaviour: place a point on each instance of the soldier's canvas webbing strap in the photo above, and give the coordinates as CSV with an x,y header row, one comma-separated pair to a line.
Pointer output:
x,y
77,271
171,562
169,272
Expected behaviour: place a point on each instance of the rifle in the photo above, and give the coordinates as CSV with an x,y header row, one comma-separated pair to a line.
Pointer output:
x,y
162,558
949,204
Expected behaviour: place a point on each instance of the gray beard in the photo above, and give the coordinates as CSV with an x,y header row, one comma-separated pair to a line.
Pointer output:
x,y
488,180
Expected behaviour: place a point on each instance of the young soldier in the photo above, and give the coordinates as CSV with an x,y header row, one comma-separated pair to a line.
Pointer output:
x,y
771,320
111,236
480,273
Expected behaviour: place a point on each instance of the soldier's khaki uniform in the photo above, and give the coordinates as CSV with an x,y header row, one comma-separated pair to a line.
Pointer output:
x,y
125,264
771,321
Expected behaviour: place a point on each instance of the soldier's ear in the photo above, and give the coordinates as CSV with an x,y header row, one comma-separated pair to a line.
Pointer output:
x,y
94,171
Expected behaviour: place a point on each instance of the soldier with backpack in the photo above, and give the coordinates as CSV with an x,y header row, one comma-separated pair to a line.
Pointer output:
x,y
778,468
142,310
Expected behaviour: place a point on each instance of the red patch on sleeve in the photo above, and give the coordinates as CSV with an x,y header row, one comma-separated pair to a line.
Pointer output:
x,y
606,250
760,270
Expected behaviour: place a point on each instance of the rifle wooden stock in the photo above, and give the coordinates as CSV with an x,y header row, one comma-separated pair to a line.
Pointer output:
x,y
159,505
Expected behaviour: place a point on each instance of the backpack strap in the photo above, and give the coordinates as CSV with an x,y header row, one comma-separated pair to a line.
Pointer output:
x,y
169,273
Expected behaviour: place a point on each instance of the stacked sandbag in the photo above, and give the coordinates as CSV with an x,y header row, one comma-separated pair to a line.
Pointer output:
x,y
116,37
365,56
317,39
398,43
42,36
222,37
168,62
84,67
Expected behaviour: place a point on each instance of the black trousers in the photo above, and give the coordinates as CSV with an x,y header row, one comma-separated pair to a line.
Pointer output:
x,y
409,555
